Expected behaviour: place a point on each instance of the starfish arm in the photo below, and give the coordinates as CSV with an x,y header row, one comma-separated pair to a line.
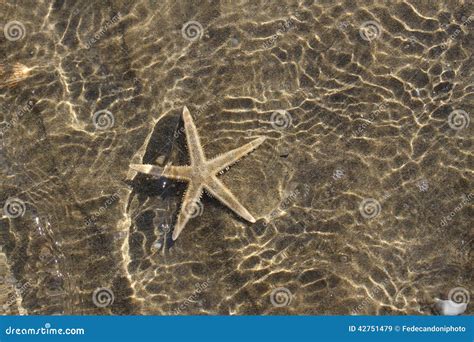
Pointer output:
x,y
177,172
227,159
189,208
169,171
218,190
196,153
152,170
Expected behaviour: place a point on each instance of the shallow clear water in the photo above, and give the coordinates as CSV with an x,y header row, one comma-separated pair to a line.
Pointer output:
x,y
362,190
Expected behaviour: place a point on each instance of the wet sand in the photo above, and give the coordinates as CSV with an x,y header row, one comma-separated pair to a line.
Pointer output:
x,y
362,190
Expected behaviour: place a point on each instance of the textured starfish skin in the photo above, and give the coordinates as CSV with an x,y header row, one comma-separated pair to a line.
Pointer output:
x,y
201,174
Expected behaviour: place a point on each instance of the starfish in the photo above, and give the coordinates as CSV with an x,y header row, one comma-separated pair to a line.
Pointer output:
x,y
201,175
